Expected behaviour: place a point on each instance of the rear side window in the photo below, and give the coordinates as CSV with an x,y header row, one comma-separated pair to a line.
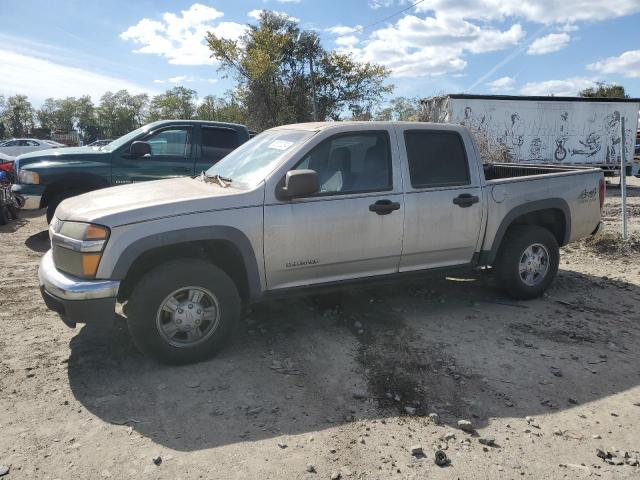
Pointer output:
x,y
218,142
436,159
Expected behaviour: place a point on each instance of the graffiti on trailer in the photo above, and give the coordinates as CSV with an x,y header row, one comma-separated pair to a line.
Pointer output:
x,y
556,133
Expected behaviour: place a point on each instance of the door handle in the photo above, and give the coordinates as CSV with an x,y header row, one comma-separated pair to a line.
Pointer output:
x,y
384,207
465,200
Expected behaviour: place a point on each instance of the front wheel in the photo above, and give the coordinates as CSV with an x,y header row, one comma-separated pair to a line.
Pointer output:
x,y
183,311
527,261
57,200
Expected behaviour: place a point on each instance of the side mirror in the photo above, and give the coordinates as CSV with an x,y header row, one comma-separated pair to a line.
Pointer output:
x,y
140,149
299,183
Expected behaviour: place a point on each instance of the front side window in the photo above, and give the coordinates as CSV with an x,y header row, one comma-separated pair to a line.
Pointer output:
x,y
175,142
352,163
218,142
436,159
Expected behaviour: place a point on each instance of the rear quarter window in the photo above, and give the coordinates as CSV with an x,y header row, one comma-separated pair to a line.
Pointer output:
x,y
218,142
436,159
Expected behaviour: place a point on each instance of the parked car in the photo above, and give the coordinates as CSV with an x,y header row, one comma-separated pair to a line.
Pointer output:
x,y
305,206
6,158
100,143
18,146
168,148
55,144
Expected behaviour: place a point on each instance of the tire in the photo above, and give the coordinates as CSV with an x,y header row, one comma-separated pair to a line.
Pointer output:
x,y
57,199
4,214
13,212
527,261
162,322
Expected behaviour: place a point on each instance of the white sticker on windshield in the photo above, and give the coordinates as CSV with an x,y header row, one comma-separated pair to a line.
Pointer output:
x,y
280,144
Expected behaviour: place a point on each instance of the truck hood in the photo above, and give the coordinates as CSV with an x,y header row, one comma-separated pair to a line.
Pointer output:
x,y
140,202
59,155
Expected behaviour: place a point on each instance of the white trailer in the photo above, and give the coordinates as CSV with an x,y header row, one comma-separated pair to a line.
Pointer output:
x,y
557,130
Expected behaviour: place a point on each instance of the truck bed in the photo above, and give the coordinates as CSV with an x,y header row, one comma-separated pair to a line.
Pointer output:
x,y
496,171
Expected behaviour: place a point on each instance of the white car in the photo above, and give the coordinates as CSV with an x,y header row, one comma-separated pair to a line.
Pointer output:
x,y
18,146
55,144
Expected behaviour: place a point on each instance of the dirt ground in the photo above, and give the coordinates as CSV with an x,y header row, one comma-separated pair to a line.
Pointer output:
x,y
344,382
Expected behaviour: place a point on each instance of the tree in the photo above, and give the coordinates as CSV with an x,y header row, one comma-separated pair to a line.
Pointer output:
x,y
121,112
18,115
272,64
217,109
86,119
604,90
401,109
176,103
345,83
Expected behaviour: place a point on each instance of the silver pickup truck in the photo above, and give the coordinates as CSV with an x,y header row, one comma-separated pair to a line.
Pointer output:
x,y
301,206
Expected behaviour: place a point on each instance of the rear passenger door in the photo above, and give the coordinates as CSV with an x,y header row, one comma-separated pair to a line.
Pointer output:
x,y
443,207
215,143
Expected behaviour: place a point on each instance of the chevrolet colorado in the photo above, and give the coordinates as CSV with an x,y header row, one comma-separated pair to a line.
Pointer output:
x,y
301,206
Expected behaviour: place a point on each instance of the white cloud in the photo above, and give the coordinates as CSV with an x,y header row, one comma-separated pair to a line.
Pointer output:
x,y
376,4
178,79
288,1
568,87
343,30
429,46
347,41
549,43
180,38
39,78
255,14
537,11
626,64
186,79
502,85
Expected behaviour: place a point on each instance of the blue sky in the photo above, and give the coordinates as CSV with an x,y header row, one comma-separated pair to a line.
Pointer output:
x,y
533,47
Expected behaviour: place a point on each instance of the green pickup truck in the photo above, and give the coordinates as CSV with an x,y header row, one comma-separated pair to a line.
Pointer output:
x,y
163,149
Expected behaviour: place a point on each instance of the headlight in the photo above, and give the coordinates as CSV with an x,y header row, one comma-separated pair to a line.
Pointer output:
x,y
77,247
27,176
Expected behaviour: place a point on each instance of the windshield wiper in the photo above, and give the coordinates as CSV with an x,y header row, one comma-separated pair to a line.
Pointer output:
x,y
219,179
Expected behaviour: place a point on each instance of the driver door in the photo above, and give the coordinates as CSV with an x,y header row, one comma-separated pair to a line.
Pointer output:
x,y
351,228
171,156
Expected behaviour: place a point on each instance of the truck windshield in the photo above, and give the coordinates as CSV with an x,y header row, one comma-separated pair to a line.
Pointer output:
x,y
250,163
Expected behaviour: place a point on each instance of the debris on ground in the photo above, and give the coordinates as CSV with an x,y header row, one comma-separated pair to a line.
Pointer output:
x,y
441,458
465,425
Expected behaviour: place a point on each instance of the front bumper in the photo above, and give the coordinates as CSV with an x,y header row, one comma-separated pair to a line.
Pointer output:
x,y
32,195
74,299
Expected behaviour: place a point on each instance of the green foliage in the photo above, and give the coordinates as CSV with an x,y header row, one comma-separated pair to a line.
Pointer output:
x,y
272,64
401,109
121,112
217,109
176,103
604,90
17,116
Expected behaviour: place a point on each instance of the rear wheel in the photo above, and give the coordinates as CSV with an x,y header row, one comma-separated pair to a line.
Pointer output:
x,y
183,311
527,261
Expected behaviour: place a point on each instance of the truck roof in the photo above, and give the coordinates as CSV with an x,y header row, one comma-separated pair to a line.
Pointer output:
x,y
318,126
534,98
197,122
